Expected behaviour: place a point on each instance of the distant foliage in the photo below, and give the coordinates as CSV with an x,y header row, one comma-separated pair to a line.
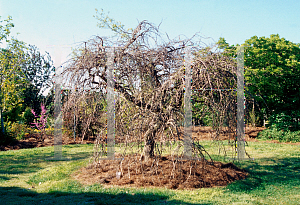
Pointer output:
x,y
283,121
280,135
25,73
272,76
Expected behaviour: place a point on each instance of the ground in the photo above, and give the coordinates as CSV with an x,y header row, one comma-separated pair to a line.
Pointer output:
x,y
163,171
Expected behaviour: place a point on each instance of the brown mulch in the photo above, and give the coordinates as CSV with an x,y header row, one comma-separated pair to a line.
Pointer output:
x,y
159,172
33,140
205,133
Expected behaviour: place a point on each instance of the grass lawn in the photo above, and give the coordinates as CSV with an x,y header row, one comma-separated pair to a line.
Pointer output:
x,y
27,177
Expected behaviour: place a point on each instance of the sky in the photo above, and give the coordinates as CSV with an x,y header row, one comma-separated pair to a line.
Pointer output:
x,y
58,25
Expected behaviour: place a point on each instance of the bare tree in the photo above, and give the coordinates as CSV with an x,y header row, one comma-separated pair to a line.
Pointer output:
x,y
148,76
149,80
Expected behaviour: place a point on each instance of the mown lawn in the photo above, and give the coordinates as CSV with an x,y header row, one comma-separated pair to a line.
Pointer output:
x,y
28,177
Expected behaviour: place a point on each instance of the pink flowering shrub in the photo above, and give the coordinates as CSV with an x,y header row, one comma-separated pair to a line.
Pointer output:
x,y
40,122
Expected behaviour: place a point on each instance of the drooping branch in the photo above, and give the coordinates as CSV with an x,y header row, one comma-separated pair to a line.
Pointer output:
x,y
150,79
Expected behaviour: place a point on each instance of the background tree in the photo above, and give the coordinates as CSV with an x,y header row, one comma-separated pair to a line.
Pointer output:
x,y
272,74
24,75
4,33
38,70
11,75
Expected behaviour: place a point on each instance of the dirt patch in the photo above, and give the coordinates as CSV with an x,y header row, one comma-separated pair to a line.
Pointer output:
x,y
164,171
33,140
206,133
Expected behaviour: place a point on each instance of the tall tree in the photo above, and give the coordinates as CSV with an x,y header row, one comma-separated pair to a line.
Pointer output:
x,y
38,70
272,73
11,75
4,33
143,80
24,74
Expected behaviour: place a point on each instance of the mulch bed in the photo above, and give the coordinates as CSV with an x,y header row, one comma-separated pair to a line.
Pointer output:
x,y
160,172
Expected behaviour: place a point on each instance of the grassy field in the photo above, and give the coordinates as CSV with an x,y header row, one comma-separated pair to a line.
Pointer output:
x,y
28,177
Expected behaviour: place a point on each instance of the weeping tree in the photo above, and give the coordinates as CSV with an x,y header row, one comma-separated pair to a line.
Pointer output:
x,y
149,79
149,82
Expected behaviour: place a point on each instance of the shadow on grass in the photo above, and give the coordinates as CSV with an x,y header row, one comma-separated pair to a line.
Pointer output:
x,y
27,163
16,195
3,178
269,172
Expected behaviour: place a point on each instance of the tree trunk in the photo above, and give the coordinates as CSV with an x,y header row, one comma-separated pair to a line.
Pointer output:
x,y
149,147
150,144
1,115
2,124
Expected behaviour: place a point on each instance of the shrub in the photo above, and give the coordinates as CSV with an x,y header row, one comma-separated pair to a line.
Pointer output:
x,y
14,114
283,121
282,136
49,131
6,138
13,131
67,132
40,121
28,117
17,130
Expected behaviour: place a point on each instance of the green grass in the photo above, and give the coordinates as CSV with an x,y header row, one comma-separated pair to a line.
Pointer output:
x,y
274,179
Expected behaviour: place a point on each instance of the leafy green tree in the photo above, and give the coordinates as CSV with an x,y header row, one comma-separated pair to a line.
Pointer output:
x,y
272,73
4,33
11,75
38,70
24,75
5,29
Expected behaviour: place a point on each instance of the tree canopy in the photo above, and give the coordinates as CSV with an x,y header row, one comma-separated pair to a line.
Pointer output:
x,y
272,73
11,75
24,74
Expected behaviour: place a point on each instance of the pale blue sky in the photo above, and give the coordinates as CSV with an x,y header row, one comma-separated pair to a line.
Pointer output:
x,y
65,22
